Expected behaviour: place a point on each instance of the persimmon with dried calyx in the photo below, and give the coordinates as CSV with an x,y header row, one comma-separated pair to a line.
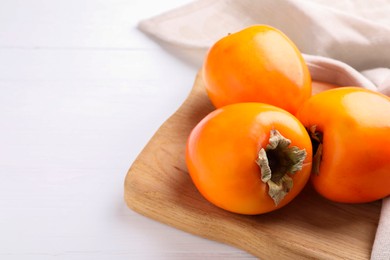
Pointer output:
x,y
257,64
249,158
350,129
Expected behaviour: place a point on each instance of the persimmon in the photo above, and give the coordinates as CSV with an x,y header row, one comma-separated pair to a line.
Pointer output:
x,y
249,158
257,64
350,128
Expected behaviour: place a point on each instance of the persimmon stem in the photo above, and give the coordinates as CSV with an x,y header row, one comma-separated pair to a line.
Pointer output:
x,y
316,139
277,162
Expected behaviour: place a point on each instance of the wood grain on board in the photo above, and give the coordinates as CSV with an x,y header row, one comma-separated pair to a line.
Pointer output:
x,y
158,186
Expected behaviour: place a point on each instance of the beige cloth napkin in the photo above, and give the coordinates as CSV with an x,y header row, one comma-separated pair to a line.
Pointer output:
x,y
345,42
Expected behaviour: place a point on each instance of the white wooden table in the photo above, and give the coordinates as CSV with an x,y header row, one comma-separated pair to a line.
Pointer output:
x,y
81,92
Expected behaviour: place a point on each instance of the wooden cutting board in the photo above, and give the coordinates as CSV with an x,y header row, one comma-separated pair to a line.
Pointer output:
x,y
158,186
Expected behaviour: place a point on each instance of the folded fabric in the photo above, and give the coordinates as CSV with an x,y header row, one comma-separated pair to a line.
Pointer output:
x,y
345,42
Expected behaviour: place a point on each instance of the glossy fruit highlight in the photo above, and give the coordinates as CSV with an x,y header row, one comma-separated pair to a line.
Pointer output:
x,y
249,158
350,127
257,64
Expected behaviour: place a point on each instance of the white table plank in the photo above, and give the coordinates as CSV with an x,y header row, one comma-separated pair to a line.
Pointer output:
x,y
76,23
81,93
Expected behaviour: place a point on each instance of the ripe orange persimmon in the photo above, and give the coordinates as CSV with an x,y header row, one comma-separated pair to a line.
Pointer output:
x,y
257,64
351,127
249,158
